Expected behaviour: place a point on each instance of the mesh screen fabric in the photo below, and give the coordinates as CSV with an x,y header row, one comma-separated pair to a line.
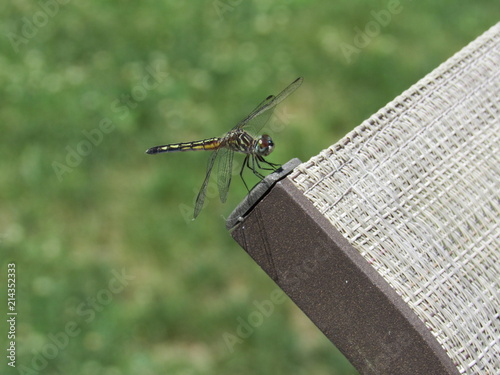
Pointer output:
x,y
415,188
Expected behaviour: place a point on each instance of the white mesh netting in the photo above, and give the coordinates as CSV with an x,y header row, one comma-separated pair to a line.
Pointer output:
x,y
415,188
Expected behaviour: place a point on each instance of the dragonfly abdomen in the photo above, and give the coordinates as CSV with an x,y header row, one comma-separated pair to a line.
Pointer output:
x,y
205,144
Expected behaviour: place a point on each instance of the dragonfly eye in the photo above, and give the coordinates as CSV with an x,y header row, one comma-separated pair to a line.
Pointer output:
x,y
264,146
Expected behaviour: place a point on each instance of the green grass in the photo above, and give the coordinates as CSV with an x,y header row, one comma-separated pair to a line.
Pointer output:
x,y
117,209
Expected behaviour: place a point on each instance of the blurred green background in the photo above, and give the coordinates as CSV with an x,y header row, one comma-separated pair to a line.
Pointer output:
x,y
112,276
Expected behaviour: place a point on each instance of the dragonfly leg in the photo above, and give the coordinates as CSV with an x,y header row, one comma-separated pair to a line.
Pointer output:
x,y
255,162
272,165
245,164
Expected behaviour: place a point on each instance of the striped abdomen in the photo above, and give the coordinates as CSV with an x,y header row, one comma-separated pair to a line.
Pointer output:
x,y
205,144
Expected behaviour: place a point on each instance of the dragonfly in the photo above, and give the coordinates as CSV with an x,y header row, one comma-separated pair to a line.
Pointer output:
x,y
238,139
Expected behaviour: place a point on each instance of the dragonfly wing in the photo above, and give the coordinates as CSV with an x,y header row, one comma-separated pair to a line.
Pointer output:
x,y
256,110
256,123
252,122
203,191
224,172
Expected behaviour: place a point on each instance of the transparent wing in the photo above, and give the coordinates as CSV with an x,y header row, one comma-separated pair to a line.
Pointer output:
x,y
224,172
203,191
255,125
256,120
253,122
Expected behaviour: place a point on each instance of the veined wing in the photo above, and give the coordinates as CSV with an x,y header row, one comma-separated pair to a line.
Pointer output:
x,y
200,199
224,172
256,120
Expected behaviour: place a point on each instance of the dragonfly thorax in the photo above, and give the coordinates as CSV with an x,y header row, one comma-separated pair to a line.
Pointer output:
x,y
264,145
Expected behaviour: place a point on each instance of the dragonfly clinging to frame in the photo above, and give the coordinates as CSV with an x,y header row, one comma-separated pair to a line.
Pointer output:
x,y
238,139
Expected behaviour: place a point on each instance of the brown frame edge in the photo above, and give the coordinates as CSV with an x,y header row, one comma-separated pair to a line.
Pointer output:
x,y
336,288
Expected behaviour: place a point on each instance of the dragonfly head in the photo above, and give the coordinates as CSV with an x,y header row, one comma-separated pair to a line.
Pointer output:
x,y
264,145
